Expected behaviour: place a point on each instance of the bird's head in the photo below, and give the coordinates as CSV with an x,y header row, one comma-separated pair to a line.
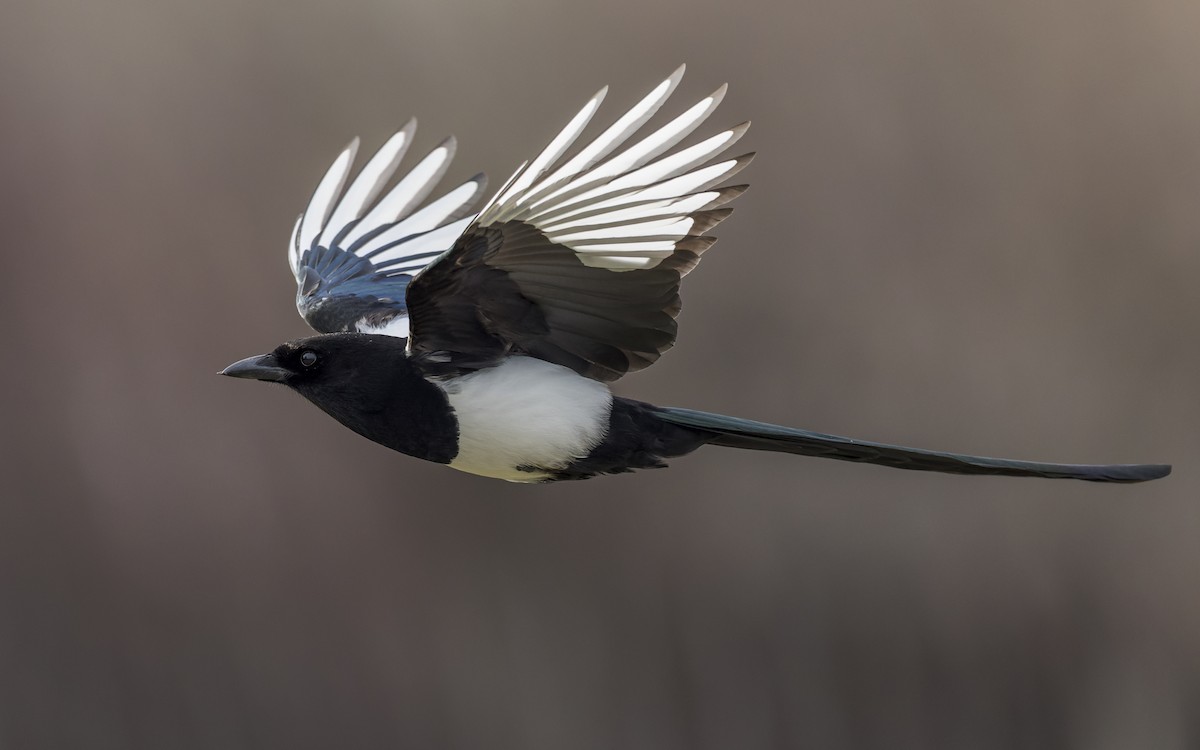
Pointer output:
x,y
350,364
366,382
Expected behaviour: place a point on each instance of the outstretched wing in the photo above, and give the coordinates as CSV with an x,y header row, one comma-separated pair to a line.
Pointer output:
x,y
353,255
579,264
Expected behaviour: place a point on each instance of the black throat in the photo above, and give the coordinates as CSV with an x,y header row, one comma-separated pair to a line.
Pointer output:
x,y
382,395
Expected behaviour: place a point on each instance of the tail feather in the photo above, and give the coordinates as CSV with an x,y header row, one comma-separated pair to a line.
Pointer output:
x,y
743,433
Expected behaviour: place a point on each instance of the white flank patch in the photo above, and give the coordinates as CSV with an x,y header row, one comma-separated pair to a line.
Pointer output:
x,y
526,412
397,326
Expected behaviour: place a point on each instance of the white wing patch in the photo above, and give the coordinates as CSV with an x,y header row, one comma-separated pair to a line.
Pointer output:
x,y
632,209
370,182
397,326
322,202
388,229
408,193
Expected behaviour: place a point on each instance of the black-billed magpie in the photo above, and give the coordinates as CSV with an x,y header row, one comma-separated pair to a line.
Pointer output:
x,y
485,340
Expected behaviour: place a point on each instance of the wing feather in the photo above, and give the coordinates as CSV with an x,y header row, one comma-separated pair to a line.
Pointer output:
x,y
369,183
322,201
640,153
353,253
580,264
610,139
405,196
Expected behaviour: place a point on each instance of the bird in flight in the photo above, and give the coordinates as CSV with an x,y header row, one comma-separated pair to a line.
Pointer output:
x,y
485,339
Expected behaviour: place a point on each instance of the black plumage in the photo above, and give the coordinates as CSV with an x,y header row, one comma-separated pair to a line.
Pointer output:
x,y
507,289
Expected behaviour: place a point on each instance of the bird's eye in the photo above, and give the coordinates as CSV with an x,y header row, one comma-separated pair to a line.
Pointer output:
x,y
308,358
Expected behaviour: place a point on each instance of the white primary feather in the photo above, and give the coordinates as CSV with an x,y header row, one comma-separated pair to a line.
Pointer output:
x,y
616,134
294,246
408,193
427,219
438,241
672,226
643,151
390,220
632,209
559,145
698,179
326,193
663,169
369,182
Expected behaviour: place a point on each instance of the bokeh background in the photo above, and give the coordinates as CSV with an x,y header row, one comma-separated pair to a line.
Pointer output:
x,y
973,226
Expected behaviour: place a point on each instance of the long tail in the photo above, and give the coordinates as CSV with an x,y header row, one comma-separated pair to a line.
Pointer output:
x,y
743,433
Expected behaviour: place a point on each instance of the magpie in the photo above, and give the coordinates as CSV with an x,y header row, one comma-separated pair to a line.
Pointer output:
x,y
486,339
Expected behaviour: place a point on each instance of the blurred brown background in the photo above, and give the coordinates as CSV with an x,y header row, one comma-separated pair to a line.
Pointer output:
x,y
973,226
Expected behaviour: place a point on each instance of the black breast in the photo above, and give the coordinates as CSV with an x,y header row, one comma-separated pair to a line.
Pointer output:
x,y
369,384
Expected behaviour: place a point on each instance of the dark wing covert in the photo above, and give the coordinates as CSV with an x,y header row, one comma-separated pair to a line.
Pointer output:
x,y
580,264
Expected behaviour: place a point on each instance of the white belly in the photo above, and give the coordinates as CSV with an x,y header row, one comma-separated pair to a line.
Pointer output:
x,y
526,413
